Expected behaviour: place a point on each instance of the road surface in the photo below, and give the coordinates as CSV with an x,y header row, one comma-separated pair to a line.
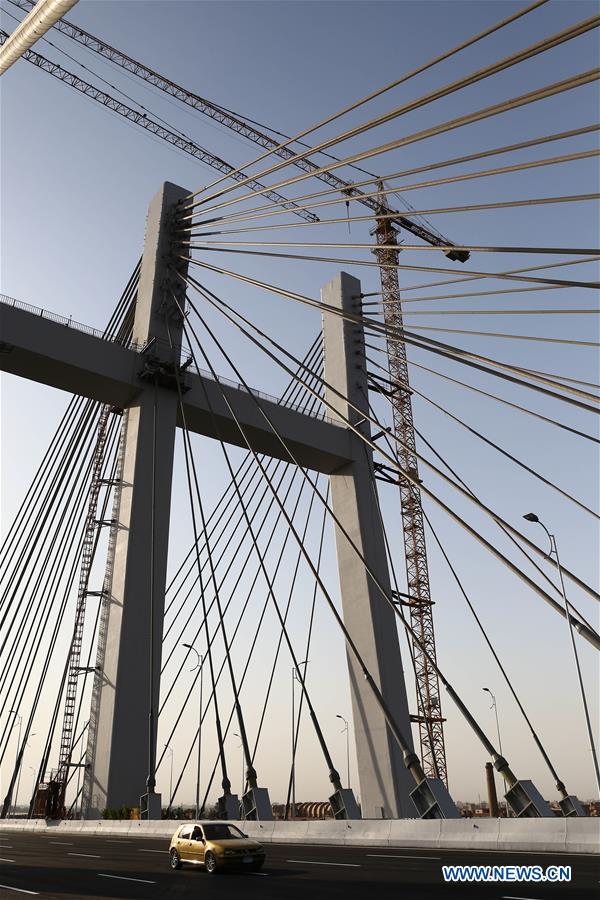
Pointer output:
x,y
75,867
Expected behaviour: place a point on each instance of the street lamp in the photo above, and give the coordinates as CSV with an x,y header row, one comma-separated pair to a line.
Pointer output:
x,y
199,665
531,517
17,760
347,730
21,767
170,749
78,800
33,777
494,706
295,677
241,744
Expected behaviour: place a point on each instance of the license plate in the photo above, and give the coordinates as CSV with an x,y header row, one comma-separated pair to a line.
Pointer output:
x,y
247,859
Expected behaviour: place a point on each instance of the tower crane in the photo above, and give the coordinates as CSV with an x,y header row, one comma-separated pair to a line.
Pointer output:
x,y
244,128
387,223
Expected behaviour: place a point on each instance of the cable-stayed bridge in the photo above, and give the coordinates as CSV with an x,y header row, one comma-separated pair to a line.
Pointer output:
x,y
85,561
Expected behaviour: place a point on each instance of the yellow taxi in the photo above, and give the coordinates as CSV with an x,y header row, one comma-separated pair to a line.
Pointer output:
x,y
216,846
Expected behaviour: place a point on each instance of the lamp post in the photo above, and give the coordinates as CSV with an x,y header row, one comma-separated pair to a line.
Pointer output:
x,y
199,665
18,762
20,767
170,749
494,706
77,797
241,745
347,730
33,777
295,677
532,517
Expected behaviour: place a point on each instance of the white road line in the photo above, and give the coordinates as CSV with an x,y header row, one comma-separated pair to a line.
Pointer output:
x,y
153,851
124,878
258,873
505,897
118,842
400,856
6,846
312,862
88,855
62,843
6,860
9,887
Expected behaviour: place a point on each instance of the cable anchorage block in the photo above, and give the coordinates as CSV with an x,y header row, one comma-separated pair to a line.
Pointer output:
x,y
526,802
229,807
343,804
571,806
256,805
150,806
432,800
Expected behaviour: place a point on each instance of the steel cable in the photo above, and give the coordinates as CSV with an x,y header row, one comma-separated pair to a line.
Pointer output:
x,y
590,636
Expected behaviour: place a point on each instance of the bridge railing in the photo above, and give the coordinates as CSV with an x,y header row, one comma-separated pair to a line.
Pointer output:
x,y
298,407
69,322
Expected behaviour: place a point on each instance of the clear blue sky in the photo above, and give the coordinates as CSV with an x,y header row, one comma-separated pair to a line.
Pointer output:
x,y
75,184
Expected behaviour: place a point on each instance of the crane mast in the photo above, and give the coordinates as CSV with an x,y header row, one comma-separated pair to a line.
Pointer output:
x,y
429,718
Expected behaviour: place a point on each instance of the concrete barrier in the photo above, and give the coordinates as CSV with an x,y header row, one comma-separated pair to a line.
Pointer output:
x,y
549,835
415,833
580,837
368,833
556,835
470,834
290,833
260,831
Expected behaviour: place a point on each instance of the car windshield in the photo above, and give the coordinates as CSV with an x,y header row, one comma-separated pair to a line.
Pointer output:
x,y
221,832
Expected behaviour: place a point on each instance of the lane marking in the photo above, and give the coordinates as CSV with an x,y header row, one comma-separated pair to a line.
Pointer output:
x,y
312,862
124,878
505,897
400,856
88,855
6,846
118,842
153,851
259,873
62,843
9,887
6,860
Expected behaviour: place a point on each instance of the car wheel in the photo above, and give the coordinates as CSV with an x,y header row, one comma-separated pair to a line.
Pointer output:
x,y
174,860
210,861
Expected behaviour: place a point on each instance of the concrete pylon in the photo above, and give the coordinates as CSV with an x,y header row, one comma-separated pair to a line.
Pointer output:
x,y
384,781
119,748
